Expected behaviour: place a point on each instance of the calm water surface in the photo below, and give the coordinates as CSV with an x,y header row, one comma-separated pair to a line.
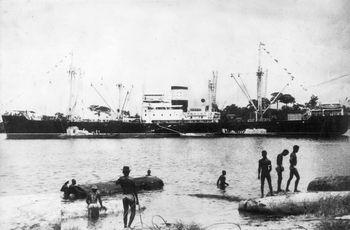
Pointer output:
x,y
32,172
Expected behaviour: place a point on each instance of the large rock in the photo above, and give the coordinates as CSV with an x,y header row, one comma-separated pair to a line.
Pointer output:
x,y
110,188
219,197
294,203
331,183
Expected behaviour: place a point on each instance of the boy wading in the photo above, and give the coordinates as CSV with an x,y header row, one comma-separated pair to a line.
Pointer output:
x,y
93,207
130,199
221,183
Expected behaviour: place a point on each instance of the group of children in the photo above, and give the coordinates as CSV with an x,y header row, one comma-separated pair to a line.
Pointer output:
x,y
265,168
130,198
94,201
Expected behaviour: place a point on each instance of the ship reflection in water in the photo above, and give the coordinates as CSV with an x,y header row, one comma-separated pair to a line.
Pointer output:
x,y
32,172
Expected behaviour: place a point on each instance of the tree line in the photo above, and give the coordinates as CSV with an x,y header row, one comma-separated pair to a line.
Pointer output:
x,y
288,102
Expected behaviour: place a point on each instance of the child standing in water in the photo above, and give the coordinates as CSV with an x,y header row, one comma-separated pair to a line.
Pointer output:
x,y
92,199
221,183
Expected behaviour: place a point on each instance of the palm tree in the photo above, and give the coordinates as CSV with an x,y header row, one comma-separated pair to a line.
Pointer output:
x,y
265,103
287,99
313,102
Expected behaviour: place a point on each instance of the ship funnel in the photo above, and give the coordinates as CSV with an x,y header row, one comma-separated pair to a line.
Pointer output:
x,y
179,96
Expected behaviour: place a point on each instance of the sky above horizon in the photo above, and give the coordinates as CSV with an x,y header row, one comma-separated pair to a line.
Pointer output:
x,y
153,44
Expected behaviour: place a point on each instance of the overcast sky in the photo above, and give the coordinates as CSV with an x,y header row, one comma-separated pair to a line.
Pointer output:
x,y
155,44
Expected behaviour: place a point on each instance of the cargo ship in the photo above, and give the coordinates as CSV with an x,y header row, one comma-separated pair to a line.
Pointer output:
x,y
326,121
163,116
160,117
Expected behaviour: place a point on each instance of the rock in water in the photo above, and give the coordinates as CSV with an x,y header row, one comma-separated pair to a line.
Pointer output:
x,y
294,203
142,183
331,183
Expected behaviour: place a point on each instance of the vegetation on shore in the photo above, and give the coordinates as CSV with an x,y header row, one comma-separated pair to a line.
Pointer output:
x,y
332,207
288,102
182,226
177,226
334,225
328,209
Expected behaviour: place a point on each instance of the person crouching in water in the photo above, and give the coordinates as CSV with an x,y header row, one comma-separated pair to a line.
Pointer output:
x,y
93,207
130,198
280,168
221,183
264,172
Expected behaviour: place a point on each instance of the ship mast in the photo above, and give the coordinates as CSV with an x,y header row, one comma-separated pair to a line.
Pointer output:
x,y
72,74
259,75
212,88
266,75
119,86
126,100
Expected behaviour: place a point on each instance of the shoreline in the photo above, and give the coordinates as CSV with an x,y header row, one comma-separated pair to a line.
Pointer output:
x,y
20,136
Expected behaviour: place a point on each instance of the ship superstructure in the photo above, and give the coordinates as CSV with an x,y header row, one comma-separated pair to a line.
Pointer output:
x,y
156,108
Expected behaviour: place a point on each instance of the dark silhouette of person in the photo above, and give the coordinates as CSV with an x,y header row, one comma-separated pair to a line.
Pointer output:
x,y
148,172
280,168
76,192
72,186
293,170
73,191
221,183
65,190
264,172
93,208
130,198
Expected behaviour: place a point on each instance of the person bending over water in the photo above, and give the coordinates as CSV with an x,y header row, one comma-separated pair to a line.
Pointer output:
x,y
130,198
293,170
264,172
221,183
65,190
280,168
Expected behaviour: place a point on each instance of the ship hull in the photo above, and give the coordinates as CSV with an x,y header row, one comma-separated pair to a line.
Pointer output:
x,y
315,126
20,124
19,127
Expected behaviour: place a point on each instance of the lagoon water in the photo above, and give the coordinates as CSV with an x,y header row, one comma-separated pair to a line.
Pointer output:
x,y
32,172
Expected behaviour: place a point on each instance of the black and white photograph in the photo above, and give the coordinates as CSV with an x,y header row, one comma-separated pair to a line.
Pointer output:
x,y
174,114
